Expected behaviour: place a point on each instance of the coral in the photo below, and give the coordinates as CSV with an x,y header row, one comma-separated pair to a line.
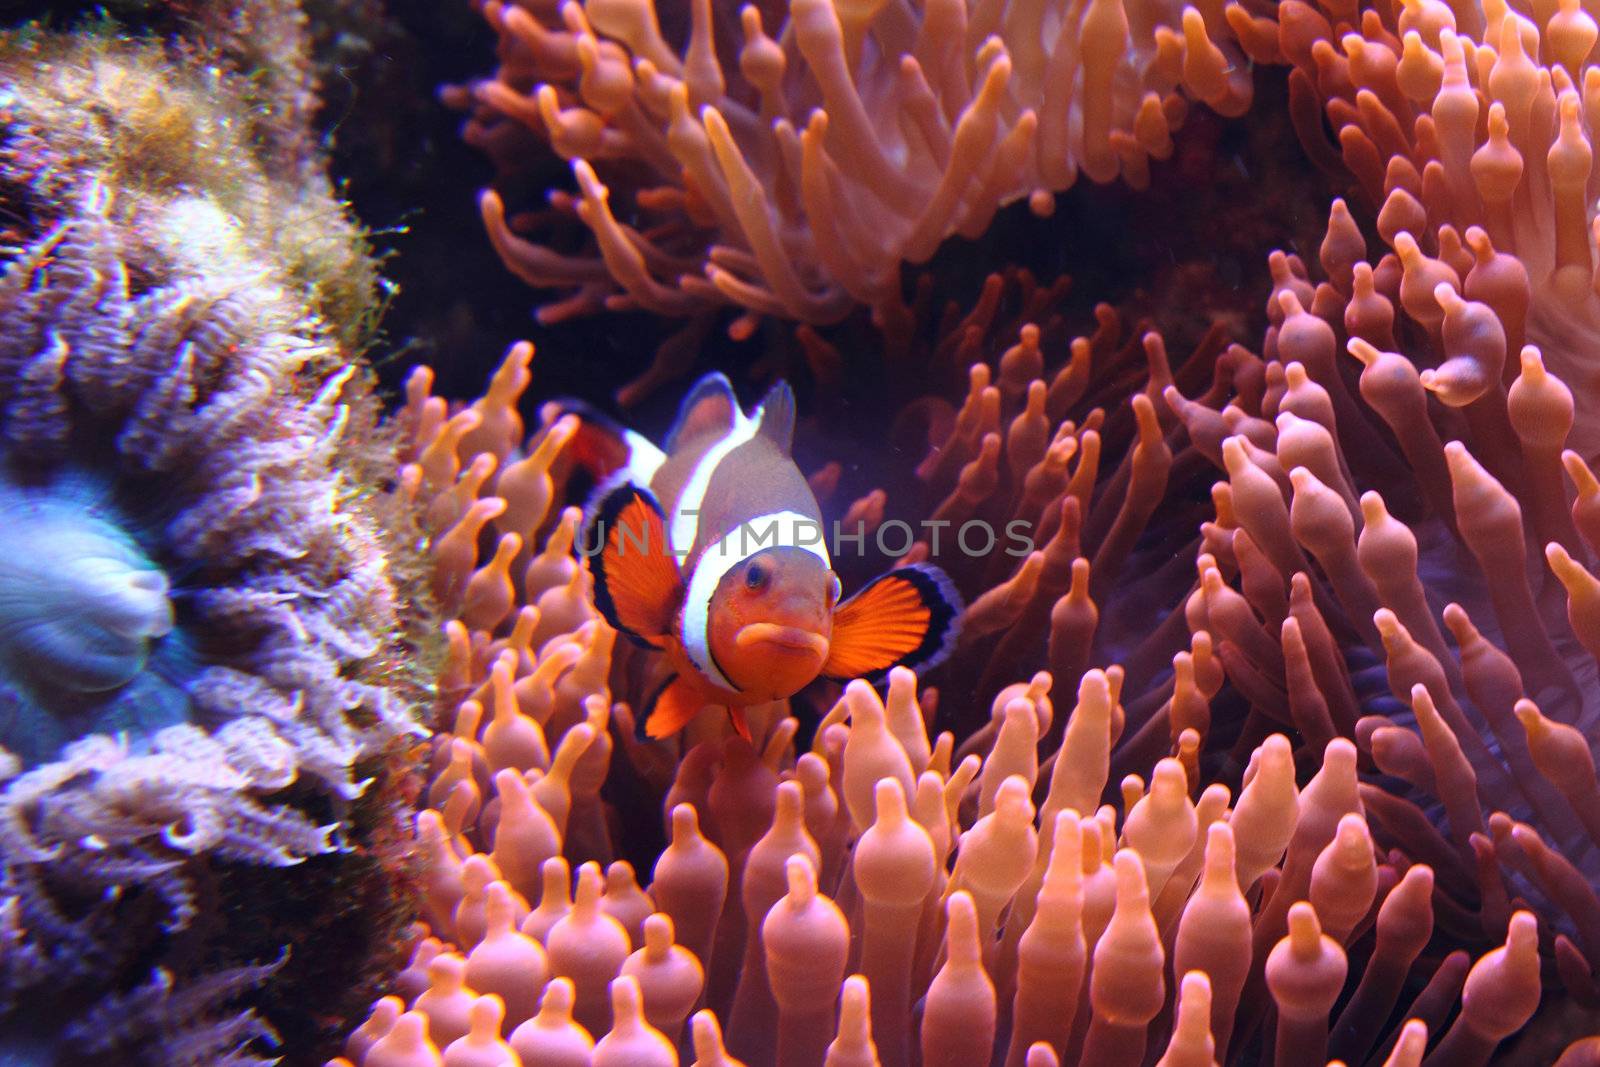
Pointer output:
x,y
791,174
272,48
1468,132
202,665
185,1031
222,132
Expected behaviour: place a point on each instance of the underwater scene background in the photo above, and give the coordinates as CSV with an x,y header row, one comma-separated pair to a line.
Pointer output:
x,y
1265,328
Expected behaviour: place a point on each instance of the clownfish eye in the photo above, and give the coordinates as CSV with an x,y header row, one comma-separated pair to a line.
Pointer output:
x,y
756,576
835,588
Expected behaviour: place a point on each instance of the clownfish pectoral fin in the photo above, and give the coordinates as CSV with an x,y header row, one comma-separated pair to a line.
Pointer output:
x,y
909,617
674,706
637,585
710,407
777,416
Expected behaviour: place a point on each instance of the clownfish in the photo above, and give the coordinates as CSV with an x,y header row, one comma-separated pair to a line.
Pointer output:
x,y
713,552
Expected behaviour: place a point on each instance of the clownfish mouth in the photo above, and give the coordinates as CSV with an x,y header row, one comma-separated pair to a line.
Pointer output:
x,y
790,638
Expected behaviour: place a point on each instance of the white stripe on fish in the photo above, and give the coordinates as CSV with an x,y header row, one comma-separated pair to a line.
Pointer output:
x,y
685,525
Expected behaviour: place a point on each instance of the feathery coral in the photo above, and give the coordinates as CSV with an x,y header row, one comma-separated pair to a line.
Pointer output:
x,y
198,660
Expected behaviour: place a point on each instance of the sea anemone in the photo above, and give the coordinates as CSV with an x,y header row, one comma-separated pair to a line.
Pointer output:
x,y
1156,868
199,648
791,174
1275,744
1469,134
1286,818
1267,550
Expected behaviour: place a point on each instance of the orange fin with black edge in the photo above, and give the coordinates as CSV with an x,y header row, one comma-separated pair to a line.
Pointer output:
x,y
674,707
637,585
740,725
909,617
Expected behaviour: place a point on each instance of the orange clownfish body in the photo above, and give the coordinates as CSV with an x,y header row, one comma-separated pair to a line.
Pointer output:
x,y
714,553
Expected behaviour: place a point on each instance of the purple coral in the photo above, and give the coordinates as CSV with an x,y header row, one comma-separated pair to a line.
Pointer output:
x,y
182,1025
197,620
168,472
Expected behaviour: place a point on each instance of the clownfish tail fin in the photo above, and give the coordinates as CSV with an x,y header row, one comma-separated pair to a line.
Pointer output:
x,y
606,450
909,617
637,586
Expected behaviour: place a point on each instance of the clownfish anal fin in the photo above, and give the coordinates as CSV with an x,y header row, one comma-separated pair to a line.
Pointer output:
x,y
777,416
674,706
637,586
740,725
909,617
710,407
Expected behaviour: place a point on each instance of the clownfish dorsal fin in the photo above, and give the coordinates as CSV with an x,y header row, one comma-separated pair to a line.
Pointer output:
x,y
710,408
777,416
637,585
909,617
674,706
